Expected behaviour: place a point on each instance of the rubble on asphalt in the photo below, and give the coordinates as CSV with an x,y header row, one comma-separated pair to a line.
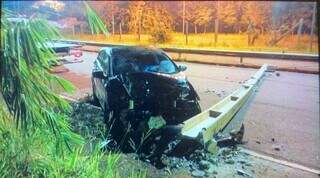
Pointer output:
x,y
88,121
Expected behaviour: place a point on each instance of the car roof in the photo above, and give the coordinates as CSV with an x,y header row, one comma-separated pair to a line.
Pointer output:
x,y
130,50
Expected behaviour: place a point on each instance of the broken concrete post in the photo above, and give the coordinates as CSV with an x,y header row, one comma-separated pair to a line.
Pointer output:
x,y
212,146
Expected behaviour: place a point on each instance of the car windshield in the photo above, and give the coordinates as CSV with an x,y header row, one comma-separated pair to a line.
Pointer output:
x,y
143,61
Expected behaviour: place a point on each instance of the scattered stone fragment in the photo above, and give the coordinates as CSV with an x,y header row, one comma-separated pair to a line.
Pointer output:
x,y
242,161
258,142
212,170
271,68
277,74
242,173
199,164
198,173
245,154
225,151
229,161
213,161
226,141
272,139
203,165
168,170
165,160
276,147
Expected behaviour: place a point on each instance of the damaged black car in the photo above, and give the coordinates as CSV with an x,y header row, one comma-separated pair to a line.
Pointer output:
x,y
143,94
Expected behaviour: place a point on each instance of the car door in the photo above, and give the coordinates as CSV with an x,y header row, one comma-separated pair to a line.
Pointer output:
x,y
102,64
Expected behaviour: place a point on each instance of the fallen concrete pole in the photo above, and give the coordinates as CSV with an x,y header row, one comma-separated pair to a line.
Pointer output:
x,y
211,121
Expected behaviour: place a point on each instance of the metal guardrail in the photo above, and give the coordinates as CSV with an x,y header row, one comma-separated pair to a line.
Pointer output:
x,y
268,55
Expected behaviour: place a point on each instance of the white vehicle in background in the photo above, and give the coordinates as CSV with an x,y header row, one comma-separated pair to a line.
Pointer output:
x,y
66,52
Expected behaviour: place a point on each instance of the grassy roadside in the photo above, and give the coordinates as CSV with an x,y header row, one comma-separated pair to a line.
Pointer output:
x,y
36,155
206,41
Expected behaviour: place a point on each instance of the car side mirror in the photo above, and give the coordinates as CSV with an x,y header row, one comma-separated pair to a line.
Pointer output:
x,y
98,74
182,67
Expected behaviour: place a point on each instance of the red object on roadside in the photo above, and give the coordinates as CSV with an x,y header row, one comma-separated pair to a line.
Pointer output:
x,y
76,53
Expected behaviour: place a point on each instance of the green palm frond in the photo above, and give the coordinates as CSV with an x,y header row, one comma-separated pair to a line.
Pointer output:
x,y
25,77
96,24
32,115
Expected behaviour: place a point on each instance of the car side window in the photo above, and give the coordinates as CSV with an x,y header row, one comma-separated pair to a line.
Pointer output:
x,y
103,59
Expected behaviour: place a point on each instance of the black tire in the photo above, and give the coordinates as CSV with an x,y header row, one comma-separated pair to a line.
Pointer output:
x,y
119,131
94,100
108,115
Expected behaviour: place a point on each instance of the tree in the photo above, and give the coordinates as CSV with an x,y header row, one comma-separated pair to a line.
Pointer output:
x,y
259,13
150,17
25,55
113,13
202,16
285,17
29,106
136,9
122,15
289,13
239,11
157,21
227,14
185,13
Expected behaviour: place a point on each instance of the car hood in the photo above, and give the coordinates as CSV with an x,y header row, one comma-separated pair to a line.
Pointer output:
x,y
143,85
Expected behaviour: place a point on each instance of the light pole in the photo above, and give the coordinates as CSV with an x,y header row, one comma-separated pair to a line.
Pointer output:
x,y
312,25
183,15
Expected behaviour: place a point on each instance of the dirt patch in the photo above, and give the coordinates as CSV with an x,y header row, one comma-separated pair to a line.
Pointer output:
x,y
79,80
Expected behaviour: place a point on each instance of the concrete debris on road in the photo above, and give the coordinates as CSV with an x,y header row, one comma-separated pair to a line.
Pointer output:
x,y
198,173
243,173
276,147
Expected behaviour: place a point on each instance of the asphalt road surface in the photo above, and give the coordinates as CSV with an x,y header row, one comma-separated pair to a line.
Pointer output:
x,y
281,119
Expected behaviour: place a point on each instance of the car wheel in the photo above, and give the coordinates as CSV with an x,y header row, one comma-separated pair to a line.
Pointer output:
x,y
94,100
107,114
118,131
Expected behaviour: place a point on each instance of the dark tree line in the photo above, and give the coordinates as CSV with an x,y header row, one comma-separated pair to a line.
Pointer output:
x,y
233,16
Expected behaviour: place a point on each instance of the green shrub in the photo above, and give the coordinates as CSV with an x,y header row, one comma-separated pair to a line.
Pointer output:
x,y
160,35
36,155
35,135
